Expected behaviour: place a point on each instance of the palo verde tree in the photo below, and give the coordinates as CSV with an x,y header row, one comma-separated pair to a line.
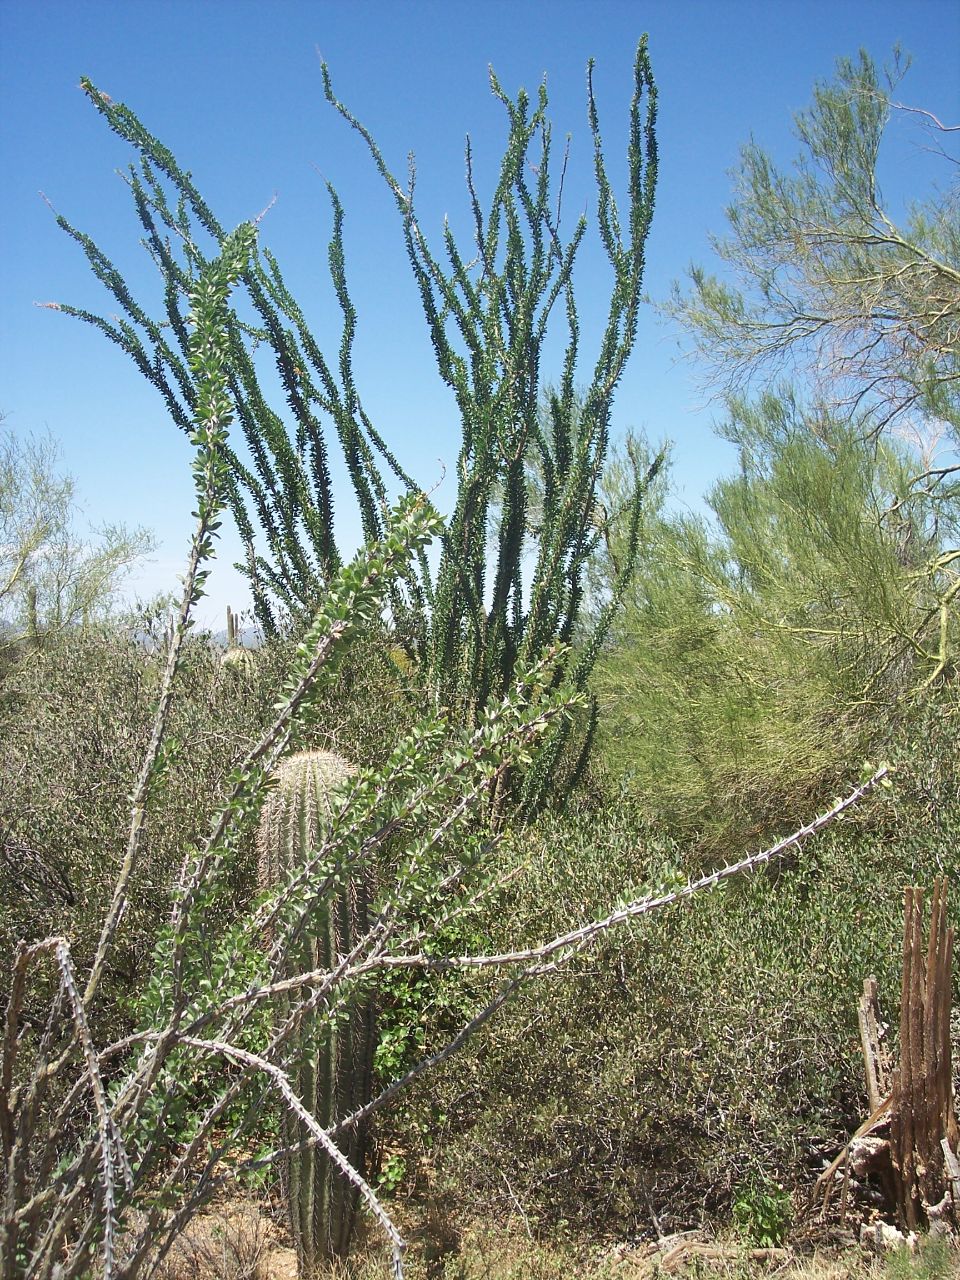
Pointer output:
x,y
758,650
825,286
822,281
52,578
765,649
485,612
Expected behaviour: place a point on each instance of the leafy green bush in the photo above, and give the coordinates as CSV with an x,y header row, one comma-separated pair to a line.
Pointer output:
x,y
74,724
760,652
710,1046
762,1212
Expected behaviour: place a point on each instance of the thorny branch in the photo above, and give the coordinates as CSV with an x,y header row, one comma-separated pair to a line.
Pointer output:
x,y
103,1176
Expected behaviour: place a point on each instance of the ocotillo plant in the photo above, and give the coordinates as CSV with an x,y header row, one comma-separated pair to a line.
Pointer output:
x,y
282,481
333,1060
485,613
487,619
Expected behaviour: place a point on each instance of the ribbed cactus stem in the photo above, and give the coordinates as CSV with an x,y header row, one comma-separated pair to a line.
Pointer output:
x,y
332,1071
235,657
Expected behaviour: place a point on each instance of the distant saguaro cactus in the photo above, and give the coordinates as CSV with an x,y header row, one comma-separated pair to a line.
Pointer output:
x,y
236,657
332,1075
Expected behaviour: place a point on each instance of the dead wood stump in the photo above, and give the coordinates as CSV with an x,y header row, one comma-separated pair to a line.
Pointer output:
x,y
910,1138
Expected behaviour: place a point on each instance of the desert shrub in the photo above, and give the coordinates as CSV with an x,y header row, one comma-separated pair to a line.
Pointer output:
x,y
230,1242
74,724
706,1049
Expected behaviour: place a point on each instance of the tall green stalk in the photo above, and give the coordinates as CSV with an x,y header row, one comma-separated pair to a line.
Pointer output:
x,y
281,487
488,324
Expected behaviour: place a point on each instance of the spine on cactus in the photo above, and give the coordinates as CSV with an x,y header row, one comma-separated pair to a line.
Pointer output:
x,y
332,1073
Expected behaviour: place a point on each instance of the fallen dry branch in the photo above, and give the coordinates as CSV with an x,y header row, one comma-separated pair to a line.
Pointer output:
x,y
678,1252
688,1250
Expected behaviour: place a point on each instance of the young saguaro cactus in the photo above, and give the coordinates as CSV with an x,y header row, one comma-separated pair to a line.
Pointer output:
x,y
332,1072
236,657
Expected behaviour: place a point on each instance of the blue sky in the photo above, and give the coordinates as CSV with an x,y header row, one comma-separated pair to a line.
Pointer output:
x,y
234,89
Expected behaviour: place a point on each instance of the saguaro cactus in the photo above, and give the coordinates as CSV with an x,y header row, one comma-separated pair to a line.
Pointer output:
x,y
333,1070
236,657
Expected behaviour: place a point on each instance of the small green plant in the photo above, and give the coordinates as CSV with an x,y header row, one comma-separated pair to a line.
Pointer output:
x,y
934,1259
762,1212
393,1170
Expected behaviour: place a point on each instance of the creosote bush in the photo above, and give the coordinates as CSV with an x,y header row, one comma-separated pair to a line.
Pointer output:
x,y
702,1050
74,723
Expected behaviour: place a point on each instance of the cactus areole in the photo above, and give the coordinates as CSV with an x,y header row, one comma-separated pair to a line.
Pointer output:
x,y
332,1071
